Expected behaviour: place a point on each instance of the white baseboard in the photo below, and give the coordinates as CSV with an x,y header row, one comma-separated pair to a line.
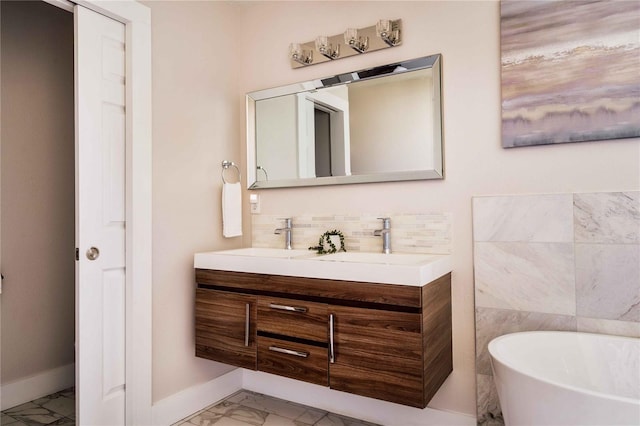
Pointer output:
x,y
372,410
37,386
189,401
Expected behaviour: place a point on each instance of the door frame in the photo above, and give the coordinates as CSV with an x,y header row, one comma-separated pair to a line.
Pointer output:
x,y
138,311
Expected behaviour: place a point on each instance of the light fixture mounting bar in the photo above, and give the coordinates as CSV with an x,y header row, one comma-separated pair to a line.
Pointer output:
x,y
369,34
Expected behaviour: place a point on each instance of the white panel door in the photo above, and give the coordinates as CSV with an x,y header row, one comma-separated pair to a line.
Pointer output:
x,y
100,218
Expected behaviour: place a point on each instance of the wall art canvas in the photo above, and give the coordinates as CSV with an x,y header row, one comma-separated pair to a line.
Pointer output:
x,y
570,71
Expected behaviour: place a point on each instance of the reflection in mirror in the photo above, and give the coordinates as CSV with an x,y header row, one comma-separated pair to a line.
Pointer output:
x,y
381,124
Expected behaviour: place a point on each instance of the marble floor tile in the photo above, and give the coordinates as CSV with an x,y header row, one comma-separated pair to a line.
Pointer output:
x,y
276,420
248,415
64,421
274,405
337,420
61,405
31,413
222,407
203,418
241,409
228,421
311,416
8,420
253,409
55,409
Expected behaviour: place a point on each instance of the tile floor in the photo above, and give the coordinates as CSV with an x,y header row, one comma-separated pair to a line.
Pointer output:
x,y
55,409
240,409
250,408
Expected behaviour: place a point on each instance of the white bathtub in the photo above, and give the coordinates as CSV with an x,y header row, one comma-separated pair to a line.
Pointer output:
x,y
567,378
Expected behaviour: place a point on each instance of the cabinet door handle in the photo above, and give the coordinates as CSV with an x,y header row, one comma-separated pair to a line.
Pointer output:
x,y
287,308
332,354
246,324
288,351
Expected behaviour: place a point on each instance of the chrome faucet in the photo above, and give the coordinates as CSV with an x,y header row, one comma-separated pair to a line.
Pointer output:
x,y
287,232
385,233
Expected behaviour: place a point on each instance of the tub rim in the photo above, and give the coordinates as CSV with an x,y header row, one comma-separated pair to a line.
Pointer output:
x,y
582,390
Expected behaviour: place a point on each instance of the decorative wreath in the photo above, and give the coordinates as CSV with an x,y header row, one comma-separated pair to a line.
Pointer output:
x,y
324,238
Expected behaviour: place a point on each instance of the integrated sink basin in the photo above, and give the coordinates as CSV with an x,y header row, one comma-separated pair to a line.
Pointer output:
x,y
397,268
266,252
380,258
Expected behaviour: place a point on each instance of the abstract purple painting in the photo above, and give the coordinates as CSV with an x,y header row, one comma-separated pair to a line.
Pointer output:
x,y
570,71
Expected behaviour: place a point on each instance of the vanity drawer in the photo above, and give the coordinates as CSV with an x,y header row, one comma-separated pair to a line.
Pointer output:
x,y
293,318
294,360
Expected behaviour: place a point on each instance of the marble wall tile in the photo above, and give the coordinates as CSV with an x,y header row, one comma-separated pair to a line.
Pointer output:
x,y
523,218
603,326
491,323
608,281
489,411
536,277
527,279
608,217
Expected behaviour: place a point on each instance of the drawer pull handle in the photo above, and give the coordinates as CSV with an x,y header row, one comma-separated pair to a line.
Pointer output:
x,y
332,353
287,308
246,325
288,351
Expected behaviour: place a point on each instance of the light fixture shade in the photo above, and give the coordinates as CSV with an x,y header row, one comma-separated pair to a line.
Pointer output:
x,y
383,28
322,43
298,54
295,51
389,31
351,35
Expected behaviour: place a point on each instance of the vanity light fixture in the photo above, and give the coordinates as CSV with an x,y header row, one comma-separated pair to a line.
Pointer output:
x,y
359,44
298,54
386,33
326,49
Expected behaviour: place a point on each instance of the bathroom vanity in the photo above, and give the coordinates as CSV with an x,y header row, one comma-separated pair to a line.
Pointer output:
x,y
307,317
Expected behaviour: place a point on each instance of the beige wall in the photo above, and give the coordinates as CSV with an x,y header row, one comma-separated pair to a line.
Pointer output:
x,y
206,55
37,189
467,35
196,112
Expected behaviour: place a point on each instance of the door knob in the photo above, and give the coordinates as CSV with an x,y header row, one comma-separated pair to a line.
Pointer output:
x,y
93,253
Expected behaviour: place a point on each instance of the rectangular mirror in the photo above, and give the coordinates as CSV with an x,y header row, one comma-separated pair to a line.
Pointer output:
x,y
377,125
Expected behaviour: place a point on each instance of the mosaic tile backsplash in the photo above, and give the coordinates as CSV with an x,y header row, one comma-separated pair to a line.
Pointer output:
x,y
428,233
567,262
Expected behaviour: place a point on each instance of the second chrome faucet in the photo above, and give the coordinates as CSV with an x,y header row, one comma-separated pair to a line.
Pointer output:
x,y
385,233
287,232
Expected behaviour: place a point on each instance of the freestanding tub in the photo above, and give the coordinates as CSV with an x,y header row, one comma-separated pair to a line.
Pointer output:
x,y
567,378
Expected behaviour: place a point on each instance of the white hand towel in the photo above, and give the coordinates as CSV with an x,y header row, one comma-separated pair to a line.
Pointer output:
x,y
231,210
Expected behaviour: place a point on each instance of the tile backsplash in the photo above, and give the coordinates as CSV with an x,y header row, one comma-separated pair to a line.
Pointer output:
x,y
553,262
410,233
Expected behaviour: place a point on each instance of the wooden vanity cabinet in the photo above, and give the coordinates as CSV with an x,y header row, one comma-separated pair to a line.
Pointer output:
x,y
292,339
390,342
399,354
226,327
377,354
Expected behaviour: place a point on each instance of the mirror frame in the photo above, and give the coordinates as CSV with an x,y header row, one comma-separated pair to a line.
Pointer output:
x,y
434,62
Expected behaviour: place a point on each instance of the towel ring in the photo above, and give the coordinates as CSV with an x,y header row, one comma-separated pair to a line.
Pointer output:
x,y
225,165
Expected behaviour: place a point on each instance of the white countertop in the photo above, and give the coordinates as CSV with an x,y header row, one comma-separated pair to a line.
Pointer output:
x,y
397,268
